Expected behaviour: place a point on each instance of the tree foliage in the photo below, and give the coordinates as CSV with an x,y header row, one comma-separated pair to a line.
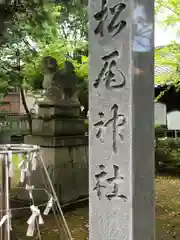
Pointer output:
x,y
168,57
37,31
74,19
171,10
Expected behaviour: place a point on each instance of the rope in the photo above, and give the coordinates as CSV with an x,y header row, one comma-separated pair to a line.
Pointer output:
x,y
31,155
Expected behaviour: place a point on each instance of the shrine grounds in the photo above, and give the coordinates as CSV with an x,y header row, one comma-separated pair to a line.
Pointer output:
x,y
167,208
167,215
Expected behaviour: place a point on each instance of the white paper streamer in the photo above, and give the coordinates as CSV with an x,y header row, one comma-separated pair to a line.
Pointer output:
x,y
10,222
11,167
24,173
34,161
24,167
3,220
30,189
21,164
21,167
49,206
20,156
36,214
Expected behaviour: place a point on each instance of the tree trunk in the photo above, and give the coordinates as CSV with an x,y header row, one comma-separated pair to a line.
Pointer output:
x,y
26,108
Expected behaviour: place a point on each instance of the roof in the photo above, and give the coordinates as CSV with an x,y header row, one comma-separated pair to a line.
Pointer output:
x,y
162,85
162,69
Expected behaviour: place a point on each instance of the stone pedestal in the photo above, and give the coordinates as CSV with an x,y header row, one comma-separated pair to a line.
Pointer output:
x,y
63,109
58,126
61,134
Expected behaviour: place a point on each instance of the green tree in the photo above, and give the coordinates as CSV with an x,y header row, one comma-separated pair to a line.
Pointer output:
x,y
35,33
74,19
169,56
28,20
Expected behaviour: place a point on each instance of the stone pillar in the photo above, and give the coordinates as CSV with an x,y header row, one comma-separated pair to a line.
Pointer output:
x,y
121,179
60,132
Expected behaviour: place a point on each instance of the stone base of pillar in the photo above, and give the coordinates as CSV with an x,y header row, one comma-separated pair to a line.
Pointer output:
x,y
63,109
58,126
61,134
66,159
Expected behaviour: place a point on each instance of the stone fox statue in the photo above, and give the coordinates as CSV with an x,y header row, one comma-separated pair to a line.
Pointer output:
x,y
59,84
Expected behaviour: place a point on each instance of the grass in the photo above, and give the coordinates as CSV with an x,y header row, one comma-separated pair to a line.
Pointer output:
x,y
167,212
77,222
167,208
167,215
77,219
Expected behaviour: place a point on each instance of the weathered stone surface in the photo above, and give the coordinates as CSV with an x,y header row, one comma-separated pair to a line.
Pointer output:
x,y
50,141
59,84
61,110
68,170
121,124
60,132
58,127
66,159
71,177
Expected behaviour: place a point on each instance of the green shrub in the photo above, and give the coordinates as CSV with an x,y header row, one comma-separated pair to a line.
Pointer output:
x,y
168,152
158,126
160,130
